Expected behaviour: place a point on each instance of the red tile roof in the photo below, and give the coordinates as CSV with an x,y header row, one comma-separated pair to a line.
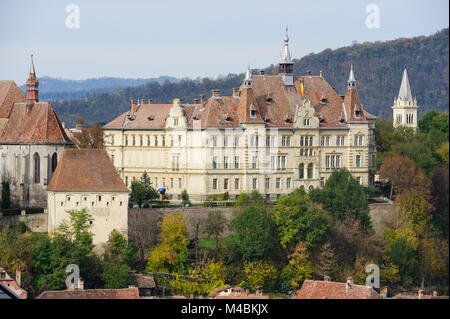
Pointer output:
x,y
314,289
127,293
10,93
274,102
36,123
86,170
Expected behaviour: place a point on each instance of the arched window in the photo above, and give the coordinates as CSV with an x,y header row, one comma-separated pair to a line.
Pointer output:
x,y
54,161
37,168
310,170
301,171
311,188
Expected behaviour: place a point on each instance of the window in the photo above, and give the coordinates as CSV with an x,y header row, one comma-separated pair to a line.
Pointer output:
x,y
112,139
164,182
134,140
179,183
272,162
278,182
399,119
288,182
163,141
267,182
225,183
301,171
358,140
171,140
126,140
55,161
214,141
214,162
171,183
126,180
175,121
37,168
179,140
283,162
310,170
214,183
236,141
236,162
156,181
340,140
141,140
358,160
148,140
338,161
112,158
322,181
225,141
254,183
236,183
225,162
325,141
156,140
327,161
254,159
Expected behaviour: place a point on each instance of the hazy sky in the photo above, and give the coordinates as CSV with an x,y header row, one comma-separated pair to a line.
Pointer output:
x,y
191,38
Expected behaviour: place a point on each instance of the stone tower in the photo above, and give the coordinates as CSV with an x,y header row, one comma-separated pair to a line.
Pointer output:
x,y
286,65
405,107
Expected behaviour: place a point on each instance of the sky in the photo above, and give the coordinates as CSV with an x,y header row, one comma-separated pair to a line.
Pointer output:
x,y
193,38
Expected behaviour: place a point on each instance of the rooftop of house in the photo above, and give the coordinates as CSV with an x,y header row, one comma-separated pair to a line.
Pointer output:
x,y
89,170
11,285
271,101
229,292
127,293
315,289
10,93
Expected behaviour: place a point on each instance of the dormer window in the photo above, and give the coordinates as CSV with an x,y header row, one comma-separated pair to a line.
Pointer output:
x,y
323,100
269,100
175,121
287,121
267,120
252,113
358,114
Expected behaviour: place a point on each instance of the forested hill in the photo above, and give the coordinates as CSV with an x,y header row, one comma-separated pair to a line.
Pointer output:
x,y
378,69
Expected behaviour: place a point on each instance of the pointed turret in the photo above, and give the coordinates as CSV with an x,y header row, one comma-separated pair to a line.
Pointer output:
x,y
353,107
351,82
405,89
248,78
405,107
248,110
286,66
32,85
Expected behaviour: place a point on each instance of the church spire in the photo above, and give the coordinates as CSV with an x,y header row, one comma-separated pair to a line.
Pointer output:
x,y
351,82
32,85
248,79
405,89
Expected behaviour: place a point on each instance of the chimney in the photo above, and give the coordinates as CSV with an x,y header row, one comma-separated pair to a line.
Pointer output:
x,y
261,72
216,93
202,99
236,92
384,292
80,283
420,293
149,101
349,284
133,107
326,278
196,101
18,275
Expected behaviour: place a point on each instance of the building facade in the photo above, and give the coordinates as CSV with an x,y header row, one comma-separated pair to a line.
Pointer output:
x,y
31,141
273,134
405,107
86,178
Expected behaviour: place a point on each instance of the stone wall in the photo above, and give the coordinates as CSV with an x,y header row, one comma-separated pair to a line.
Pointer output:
x,y
35,222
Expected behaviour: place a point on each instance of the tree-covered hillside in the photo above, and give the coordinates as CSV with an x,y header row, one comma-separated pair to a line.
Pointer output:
x,y
378,69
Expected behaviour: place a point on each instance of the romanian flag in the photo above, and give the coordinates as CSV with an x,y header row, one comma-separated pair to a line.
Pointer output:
x,y
301,87
318,149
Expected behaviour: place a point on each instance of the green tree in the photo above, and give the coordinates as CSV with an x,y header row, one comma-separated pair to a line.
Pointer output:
x,y
254,227
260,273
116,276
299,219
405,257
344,198
215,225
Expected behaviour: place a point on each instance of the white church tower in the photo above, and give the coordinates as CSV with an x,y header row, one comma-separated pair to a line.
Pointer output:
x,y
405,107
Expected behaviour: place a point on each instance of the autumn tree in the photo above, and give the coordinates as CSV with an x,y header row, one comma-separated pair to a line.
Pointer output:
x,y
260,273
403,175
215,225
299,267
172,253
326,260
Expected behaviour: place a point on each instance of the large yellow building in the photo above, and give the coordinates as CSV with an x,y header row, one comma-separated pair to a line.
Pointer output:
x,y
274,134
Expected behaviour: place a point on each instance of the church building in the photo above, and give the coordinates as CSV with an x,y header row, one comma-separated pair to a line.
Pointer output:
x,y
405,107
31,141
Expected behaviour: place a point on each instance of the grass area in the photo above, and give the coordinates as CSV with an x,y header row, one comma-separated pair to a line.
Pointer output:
x,y
210,243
